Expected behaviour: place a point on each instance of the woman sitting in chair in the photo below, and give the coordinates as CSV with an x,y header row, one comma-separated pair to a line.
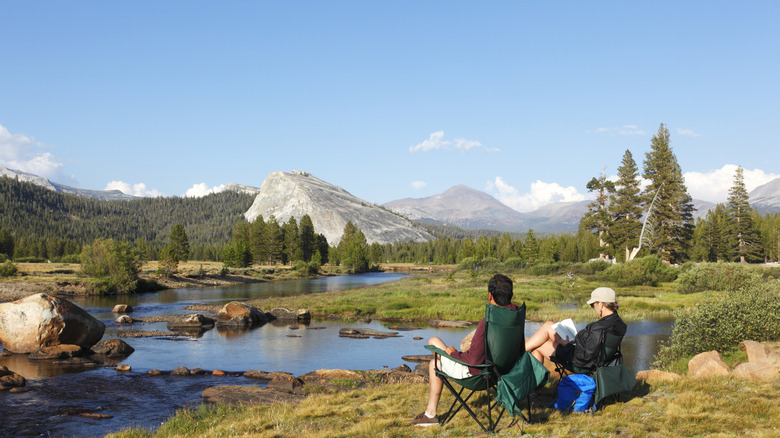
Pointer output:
x,y
584,351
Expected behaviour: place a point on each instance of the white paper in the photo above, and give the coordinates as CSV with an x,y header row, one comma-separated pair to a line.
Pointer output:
x,y
566,329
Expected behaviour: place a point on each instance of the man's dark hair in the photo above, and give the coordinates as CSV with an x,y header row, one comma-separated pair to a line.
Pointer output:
x,y
500,286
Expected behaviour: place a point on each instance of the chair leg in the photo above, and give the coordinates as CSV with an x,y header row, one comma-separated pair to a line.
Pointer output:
x,y
463,405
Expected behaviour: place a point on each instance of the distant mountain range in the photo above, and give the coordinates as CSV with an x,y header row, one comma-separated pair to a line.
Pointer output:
x,y
293,194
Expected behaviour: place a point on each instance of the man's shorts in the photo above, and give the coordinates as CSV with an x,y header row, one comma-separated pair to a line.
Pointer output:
x,y
454,369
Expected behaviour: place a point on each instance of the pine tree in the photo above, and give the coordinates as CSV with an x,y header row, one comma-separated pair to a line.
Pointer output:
x,y
745,237
179,243
672,218
598,217
353,249
625,208
292,241
530,248
308,239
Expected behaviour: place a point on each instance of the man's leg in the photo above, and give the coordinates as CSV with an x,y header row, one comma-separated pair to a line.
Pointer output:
x,y
434,382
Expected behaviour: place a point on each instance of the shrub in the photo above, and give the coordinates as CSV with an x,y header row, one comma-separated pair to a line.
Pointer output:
x,y
71,258
7,269
751,313
549,268
491,263
114,264
590,268
644,271
468,263
306,269
514,263
30,260
721,276
3,258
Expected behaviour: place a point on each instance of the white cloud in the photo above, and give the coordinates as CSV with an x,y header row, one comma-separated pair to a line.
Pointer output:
x,y
436,141
135,189
714,185
201,190
20,152
687,132
541,193
417,185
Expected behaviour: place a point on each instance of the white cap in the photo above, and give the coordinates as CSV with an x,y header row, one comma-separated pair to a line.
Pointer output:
x,y
603,295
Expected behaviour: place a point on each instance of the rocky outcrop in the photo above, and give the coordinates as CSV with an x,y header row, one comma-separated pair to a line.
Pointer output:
x,y
41,320
657,375
295,194
113,347
437,323
763,363
62,351
240,315
708,364
10,380
283,314
364,333
122,308
195,320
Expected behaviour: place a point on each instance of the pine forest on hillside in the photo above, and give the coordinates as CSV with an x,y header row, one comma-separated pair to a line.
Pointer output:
x,y
623,222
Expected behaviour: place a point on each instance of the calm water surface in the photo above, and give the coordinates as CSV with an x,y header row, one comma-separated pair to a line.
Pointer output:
x,y
135,399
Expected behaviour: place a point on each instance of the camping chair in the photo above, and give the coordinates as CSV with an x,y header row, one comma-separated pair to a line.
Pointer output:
x,y
504,356
609,373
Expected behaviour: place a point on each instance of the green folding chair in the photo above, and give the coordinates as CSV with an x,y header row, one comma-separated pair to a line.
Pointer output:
x,y
504,356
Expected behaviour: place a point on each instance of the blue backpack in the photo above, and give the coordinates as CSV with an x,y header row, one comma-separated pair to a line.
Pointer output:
x,y
575,393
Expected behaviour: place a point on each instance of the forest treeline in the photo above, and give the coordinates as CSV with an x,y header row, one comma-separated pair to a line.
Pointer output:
x,y
624,222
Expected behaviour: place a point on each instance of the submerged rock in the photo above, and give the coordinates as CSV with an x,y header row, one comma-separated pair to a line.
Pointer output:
x,y
113,347
41,320
362,333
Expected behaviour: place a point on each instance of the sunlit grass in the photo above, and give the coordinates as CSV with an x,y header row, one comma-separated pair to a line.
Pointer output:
x,y
461,296
686,407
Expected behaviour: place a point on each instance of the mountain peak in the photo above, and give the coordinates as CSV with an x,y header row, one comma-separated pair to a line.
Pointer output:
x,y
295,194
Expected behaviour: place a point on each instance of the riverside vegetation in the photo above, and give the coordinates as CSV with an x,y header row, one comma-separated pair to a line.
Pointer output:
x,y
718,406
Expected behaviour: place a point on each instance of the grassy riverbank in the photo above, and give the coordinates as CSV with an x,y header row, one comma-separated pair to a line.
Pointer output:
x,y
686,407
462,296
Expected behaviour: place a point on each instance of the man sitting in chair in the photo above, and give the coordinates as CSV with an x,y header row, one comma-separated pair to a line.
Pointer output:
x,y
499,294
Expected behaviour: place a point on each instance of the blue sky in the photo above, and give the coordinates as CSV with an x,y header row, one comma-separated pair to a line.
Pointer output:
x,y
524,100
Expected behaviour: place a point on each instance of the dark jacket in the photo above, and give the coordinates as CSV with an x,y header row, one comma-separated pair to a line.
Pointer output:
x,y
587,343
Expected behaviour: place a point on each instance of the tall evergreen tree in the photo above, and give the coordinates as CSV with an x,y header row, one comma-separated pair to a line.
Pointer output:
x,y
672,218
6,243
308,239
256,241
598,218
746,237
292,241
530,250
353,249
179,243
626,208
273,239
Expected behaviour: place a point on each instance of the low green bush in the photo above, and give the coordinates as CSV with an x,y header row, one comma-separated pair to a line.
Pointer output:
x,y
514,263
30,260
751,313
540,269
644,271
3,258
7,269
468,263
71,258
721,276
114,265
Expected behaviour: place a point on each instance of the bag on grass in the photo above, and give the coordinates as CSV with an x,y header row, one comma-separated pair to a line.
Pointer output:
x,y
575,393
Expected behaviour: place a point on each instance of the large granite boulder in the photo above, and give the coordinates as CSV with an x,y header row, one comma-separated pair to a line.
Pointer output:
x,y
41,320
708,364
238,314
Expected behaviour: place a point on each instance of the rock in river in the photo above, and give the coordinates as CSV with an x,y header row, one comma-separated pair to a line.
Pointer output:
x,y
41,320
238,314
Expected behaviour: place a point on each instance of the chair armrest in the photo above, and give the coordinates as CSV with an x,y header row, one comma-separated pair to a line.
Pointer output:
x,y
439,351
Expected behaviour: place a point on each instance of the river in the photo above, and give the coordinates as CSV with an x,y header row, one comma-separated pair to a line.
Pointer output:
x,y
58,394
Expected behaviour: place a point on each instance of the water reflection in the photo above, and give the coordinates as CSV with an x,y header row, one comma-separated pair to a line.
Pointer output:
x,y
137,399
